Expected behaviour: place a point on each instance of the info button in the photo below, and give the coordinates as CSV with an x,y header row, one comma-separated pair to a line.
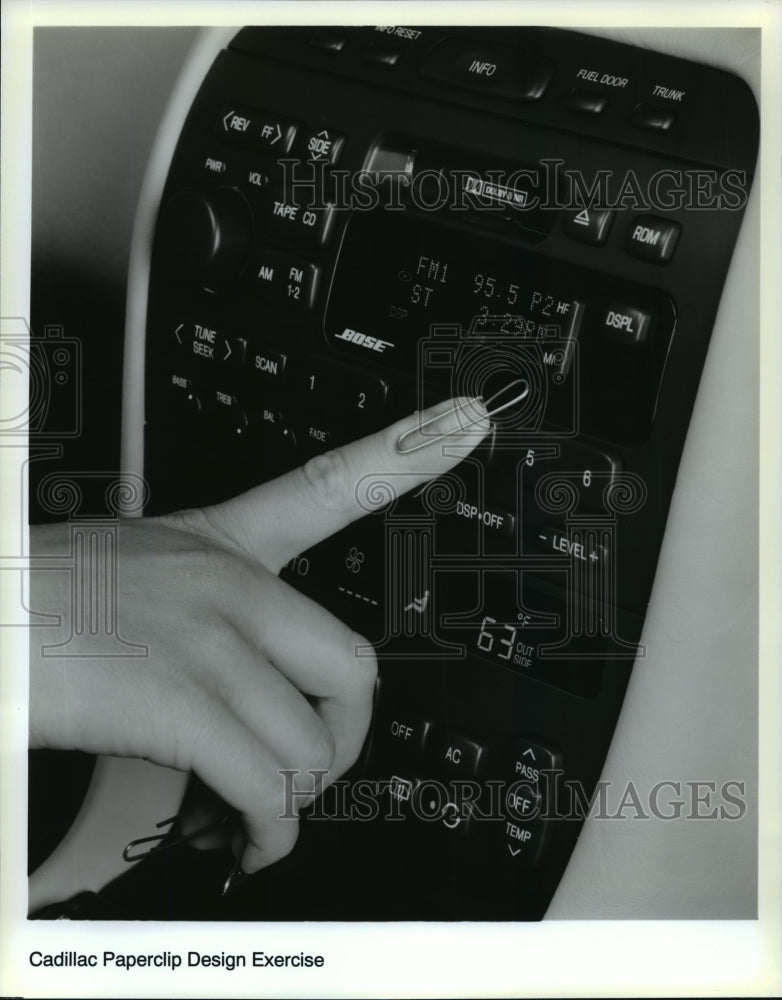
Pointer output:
x,y
494,70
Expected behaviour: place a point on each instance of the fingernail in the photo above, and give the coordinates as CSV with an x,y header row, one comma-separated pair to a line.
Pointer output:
x,y
463,416
235,877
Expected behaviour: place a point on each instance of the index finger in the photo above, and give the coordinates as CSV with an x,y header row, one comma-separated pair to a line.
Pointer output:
x,y
282,518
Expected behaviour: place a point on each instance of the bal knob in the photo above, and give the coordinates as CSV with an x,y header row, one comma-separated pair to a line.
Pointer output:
x,y
204,237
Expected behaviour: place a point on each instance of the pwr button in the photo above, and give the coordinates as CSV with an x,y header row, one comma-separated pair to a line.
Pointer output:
x,y
653,239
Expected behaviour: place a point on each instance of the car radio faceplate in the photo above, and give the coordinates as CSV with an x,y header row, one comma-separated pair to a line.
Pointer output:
x,y
356,225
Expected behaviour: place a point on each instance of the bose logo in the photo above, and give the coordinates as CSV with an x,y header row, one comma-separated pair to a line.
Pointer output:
x,y
363,340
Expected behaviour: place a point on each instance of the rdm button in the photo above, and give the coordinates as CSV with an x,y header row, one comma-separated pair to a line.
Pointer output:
x,y
653,239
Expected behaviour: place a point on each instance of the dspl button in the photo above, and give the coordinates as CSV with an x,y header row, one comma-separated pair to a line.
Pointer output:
x,y
626,324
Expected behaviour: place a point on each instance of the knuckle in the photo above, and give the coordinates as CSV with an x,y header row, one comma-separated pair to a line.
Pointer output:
x,y
326,477
280,845
323,749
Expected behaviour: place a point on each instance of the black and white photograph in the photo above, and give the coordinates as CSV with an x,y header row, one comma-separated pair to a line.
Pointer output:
x,y
390,433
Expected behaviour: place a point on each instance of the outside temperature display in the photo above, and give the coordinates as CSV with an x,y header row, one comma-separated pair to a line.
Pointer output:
x,y
505,642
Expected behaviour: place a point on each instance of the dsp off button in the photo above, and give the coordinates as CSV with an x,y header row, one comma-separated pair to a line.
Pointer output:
x,y
502,522
626,324
256,129
653,239
284,278
493,70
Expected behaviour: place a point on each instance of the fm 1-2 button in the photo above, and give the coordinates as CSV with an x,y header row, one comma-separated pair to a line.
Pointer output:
x,y
284,278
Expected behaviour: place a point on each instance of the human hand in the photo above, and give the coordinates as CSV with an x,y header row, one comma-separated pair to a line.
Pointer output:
x,y
228,689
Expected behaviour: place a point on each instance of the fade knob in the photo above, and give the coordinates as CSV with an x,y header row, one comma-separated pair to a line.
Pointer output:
x,y
204,237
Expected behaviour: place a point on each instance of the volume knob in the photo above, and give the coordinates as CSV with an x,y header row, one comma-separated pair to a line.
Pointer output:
x,y
204,237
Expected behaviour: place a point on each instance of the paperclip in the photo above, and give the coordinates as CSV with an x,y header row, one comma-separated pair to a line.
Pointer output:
x,y
511,402
163,845
461,409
